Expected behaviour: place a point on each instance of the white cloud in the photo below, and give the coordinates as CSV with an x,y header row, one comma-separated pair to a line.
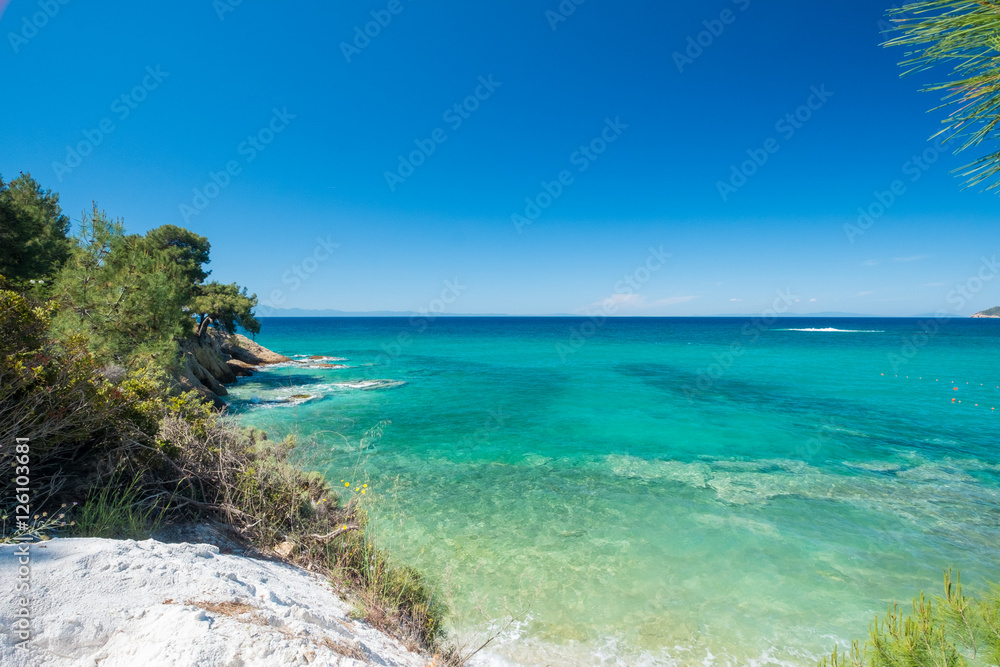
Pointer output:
x,y
933,285
914,258
736,299
866,293
872,262
812,300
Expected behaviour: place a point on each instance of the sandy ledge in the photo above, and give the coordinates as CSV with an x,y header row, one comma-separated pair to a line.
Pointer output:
x,y
125,603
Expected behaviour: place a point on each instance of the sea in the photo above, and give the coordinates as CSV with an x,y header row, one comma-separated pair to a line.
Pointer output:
x,y
654,491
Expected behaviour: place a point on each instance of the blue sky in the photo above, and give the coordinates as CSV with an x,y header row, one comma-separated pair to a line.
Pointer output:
x,y
642,108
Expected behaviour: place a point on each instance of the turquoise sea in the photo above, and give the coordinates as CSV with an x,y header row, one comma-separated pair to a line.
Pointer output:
x,y
677,491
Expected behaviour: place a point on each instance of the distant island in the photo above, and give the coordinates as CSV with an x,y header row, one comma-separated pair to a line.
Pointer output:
x,y
989,312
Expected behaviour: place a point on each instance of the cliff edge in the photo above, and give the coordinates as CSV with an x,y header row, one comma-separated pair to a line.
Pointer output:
x,y
216,359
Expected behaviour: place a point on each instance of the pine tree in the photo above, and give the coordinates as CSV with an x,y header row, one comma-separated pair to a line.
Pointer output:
x,y
127,296
965,35
33,231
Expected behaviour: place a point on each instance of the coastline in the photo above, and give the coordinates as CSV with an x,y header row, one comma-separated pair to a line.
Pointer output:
x,y
215,359
204,590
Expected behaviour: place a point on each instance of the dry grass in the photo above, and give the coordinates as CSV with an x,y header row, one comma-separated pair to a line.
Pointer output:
x,y
231,609
278,508
250,614
347,650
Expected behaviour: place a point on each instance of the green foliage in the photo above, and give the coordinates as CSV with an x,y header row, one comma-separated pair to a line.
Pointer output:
x,y
389,590
125,296
117,510
912,640
963,34
991,312
952,631
23,329
78,414
185,248
225,307
33,243
132,298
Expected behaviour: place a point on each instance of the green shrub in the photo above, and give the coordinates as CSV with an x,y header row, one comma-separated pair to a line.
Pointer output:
x,y
118,510
950,631
81,423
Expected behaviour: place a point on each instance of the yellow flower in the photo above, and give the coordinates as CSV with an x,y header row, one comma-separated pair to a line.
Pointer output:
x,y
362,490
347,483
365,485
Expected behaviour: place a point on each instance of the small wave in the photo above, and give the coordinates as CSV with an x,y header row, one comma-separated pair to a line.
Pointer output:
x,y
366,385
297,399
831,329
284,397
315,365
317,357
309,363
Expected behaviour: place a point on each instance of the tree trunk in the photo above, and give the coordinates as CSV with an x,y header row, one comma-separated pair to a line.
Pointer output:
x,y
203,325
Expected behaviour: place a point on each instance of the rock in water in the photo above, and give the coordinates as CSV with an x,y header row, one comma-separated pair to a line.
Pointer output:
x,y
243,349
215,359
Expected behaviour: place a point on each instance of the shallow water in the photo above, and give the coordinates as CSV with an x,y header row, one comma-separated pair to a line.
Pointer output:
x,y
662,491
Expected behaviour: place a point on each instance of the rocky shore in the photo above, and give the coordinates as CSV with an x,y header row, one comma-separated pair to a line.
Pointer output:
x,y
217,359
197,594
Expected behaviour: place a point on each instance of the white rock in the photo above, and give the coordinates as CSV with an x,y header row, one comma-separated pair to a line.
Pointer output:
x,y
124,603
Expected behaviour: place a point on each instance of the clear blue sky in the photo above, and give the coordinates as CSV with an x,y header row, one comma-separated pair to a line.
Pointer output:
x,y
323,175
